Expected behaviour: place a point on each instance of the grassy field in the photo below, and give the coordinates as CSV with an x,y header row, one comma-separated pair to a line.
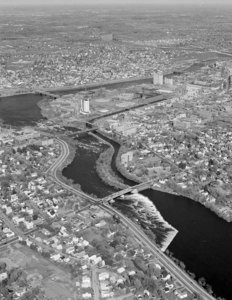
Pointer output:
x,y
56,283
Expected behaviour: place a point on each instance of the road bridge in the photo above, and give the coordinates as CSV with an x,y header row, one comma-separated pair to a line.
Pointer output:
x,y
78,133
45,93
148,101
137,188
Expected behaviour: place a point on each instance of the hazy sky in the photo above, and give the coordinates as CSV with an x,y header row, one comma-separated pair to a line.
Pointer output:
x,y
108,2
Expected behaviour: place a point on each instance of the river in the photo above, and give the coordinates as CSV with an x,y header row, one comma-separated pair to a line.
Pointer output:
x,y
204,241
20,110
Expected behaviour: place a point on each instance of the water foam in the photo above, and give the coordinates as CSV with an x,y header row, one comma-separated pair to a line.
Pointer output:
x,y
144,203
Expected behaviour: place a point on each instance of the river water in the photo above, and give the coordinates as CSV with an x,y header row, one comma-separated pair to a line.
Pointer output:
x,y
20,110
204,241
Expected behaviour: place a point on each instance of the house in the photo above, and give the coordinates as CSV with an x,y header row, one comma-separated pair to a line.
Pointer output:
x,y
66,259
84,243
94,259
132,273
20,292
106,294
75,240
56,257
28,242
86,296
102,223
167,277
17,219
57,246
63,231
70,250
103,276
7,208
3,276
86,282
13,198
29,225
120,270
8,232
181,295
104,286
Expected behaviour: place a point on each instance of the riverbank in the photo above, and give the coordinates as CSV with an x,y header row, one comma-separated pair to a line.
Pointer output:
x,y
145,203
44,107
186,241
62,90
103,167
169,187
72,151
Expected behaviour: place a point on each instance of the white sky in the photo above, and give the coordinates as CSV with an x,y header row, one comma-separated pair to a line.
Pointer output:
x,y
114,2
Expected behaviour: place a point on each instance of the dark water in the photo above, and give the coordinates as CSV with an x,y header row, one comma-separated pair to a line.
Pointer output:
x,y
204,241
20,110
82,169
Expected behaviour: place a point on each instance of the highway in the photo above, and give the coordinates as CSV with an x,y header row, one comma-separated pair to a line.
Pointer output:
x,y
174,270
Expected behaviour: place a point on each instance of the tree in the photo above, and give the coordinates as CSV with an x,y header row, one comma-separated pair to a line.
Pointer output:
x,y
2,267
14,275
46,254
137,284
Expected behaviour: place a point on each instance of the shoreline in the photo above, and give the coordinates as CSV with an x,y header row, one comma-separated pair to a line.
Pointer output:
x,y
11,92
104,170
172,231
70,158
168,240
178,191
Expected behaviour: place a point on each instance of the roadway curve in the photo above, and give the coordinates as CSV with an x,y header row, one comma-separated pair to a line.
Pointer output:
x,y
176,272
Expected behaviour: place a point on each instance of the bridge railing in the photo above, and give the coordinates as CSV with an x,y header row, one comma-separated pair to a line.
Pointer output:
x,y
128,190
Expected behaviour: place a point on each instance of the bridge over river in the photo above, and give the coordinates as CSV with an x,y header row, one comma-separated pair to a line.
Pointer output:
x,y
45,93
136,188
78,133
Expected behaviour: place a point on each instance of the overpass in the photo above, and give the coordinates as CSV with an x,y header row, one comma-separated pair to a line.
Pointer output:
x,y
138,188
45,93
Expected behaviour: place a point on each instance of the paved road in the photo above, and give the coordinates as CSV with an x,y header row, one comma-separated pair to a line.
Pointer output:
x,y
95,284
175,271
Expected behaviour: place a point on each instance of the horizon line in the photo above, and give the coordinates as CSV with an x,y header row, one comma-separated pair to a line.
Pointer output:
x,y
116,4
